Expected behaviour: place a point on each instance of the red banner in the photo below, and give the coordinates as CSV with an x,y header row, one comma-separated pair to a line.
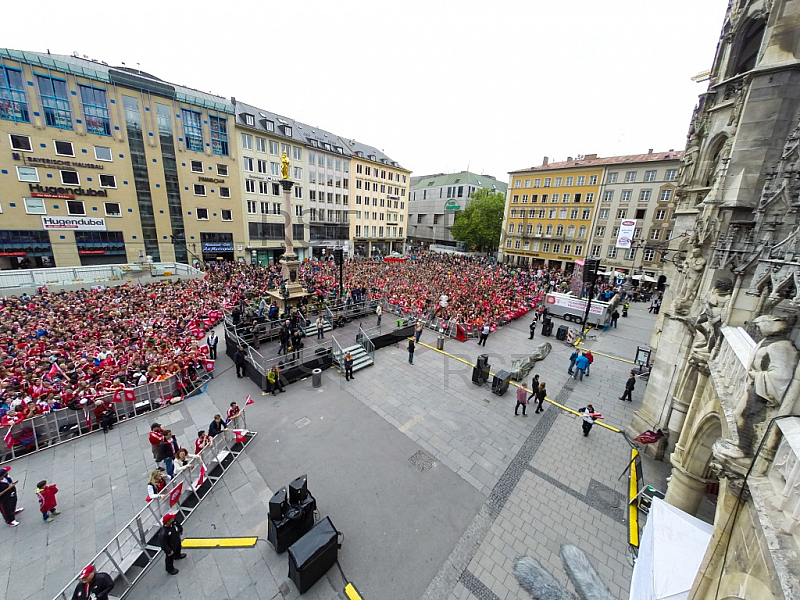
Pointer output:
x,y
175,495
118,396
130,395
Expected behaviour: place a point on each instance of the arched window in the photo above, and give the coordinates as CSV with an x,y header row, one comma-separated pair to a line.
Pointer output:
x,y
582,231
747,46
560,230
539,229
571,231
519,228
549,230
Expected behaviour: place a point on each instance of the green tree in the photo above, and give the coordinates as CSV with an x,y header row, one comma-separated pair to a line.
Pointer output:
x,y
481,223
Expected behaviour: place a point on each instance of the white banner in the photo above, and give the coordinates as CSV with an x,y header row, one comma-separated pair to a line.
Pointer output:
x,y
626,231
75,223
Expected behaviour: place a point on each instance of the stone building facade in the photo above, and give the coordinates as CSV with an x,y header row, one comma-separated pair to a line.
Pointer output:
x,y
725,383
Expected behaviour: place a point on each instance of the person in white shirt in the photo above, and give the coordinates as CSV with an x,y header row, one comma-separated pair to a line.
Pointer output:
x,y
588,419
484,335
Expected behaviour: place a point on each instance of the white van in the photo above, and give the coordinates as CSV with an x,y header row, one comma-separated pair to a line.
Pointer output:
x,y
572,308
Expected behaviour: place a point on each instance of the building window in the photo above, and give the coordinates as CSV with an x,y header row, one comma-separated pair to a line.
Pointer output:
x,y
589,197
276,189
199,189
108,181
28,174
630,253
517,183
586,214
666,195
649,175
581,180
582,232
269,125
577,197
513,214
298,173
649,253
547,181
202,214
192,130
668,235
250,120
554,197
567,248
565,198
570,230
95,110
622,213
264,208
103,153
549,229
592,181
55,102
261,144
35,206
510,226
573,214
539,229
70,178
600,231
516,244
21,142
537,183
612,177
219,135
251,207
298,192
13,102
570,180
227,214
612,252
556,247
248,164
546,247
524,198
250,186
655,234
273,147
644,196
640,213
222,170
112,209
64,148
263,187
660,214
197,166
626,196
596,251
630,176
608,196
562,214
75,207
247,141
297,153
224,192
603,213
671,175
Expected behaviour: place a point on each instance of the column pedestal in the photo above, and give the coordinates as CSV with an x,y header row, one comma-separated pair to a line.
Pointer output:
x,y
685,491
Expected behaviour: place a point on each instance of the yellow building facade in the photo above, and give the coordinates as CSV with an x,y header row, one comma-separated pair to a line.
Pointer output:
x,y
104,164
549,213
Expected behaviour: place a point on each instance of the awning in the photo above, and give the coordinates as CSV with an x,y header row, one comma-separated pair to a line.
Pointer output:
x,y
672,548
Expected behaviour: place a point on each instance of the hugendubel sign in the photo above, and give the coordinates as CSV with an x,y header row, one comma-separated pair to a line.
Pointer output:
x,y
75,223
68,193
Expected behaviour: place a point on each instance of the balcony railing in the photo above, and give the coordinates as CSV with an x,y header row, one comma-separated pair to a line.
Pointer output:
x,y
784,475
730,364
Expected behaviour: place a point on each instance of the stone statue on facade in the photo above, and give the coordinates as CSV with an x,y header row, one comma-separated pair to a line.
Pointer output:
x,y
770,371
687,166
693,268
706,326
285,166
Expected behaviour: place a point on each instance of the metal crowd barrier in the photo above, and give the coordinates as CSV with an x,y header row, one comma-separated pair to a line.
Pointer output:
x,y
65,424
129,555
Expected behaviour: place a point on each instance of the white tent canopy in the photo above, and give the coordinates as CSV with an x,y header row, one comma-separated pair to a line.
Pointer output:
x,y
672,548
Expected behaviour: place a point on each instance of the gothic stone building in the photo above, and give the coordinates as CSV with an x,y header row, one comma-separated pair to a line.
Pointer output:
x,y
726,383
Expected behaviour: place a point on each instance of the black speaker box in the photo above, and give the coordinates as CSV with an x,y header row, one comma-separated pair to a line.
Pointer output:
x,y
500,382
483,362
547,327
299,519
312,555
480,376
278,505
298,490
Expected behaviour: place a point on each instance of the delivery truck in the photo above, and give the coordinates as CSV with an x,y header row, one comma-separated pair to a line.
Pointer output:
x,y
571,308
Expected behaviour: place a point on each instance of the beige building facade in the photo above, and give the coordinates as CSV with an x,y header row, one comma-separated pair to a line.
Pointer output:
x,y
110,165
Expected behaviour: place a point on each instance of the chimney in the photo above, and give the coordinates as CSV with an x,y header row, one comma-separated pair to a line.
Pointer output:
x,y
545,161
569,159
650,151
672,150
233,100
590,156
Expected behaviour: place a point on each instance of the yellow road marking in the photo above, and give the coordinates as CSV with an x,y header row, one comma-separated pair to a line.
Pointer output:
x,y
351,592
234,542
607,355
553,402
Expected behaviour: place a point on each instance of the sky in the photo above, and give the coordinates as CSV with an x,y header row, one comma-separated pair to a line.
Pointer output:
x,y
439,86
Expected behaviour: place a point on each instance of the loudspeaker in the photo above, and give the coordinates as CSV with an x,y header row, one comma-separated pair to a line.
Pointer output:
x,y
562,332
547,327
278,505
299,519
480,376
298,490
500,382
312,555
483,362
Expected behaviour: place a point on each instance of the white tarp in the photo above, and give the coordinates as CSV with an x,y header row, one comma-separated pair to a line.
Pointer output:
x,y
672,546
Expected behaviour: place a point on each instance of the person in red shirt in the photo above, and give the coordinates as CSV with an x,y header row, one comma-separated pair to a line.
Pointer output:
x,y
47,500
233,411
104,415
203,440
156,437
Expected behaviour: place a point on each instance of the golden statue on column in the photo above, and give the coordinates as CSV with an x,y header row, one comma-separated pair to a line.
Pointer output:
x,y
285,166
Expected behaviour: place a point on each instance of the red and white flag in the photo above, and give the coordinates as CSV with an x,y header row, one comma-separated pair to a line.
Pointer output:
x,y
130,395
209,364
202,478
175,495
9,439
88,419
249,400
241,435
118,396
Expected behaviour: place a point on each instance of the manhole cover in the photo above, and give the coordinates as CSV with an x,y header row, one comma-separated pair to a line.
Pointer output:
x,y
300,423
607,496
422,460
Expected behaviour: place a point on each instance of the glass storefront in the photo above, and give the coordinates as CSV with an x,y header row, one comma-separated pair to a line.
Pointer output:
x,y
101,247
216,246
25,249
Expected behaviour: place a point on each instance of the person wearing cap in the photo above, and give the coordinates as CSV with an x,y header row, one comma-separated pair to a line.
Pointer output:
x,y
170,536
93,585
8,498
156,437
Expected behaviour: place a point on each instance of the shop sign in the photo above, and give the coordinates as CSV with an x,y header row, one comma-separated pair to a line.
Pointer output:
x,y
75,223
68,193
19,253
452,205
564,258
217,246
211,179
54,163
91,251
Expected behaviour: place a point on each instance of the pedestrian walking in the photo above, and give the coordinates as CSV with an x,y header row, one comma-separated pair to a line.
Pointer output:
x,y
418,327
212,341
411,351
155,438
274,380
484,335
614,318
541,394
572,358
320,328
47,500
590,357
8,498
629,385
522,400
239,359
348,367
379,312
535,384
581,364
285,336
93,585
170,536
588,419
532,328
